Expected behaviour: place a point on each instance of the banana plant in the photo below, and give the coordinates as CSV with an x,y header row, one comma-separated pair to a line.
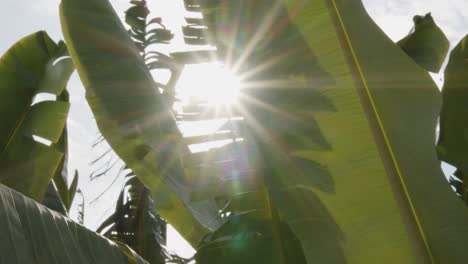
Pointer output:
x,y
31,151
33,144
379,153
427,46
339,128
132,114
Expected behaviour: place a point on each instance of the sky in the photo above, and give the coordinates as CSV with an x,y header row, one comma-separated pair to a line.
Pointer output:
x,y
21,18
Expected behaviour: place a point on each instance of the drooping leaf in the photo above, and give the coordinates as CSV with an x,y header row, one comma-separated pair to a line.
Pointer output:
x,y
132,114
33,66
31,233
427,45
136,224
452,146
387,185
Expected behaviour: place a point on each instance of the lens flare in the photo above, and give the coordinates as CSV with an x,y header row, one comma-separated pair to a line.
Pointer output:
x,y
211,83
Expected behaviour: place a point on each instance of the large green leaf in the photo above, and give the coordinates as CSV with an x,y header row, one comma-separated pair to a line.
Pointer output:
x,y
375,191
31,233
33,66
453,140
131,113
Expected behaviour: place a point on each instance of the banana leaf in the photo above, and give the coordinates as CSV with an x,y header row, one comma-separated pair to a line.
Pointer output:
x,y
31,233
374,190
132,114
34,66
135,222
452,146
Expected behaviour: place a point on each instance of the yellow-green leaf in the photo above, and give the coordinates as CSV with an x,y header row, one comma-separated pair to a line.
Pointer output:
x,y
386,200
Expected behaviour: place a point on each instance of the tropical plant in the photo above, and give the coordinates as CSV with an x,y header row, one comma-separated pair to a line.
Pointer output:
x,y
140,128
325,130
135,222
32,67
33,141
337,162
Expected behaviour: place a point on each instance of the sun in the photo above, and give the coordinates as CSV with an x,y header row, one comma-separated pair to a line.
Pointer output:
x,y
211,83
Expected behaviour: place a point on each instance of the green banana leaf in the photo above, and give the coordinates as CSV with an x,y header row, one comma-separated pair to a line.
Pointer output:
x,y
427,44
390,201
373,192
135,222
452,146
131,113
33,66
31,233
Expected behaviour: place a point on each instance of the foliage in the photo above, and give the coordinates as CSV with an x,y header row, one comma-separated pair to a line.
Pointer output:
x,y
33,234
132,114
452,146
33,66
135,222
337,158
33,162
333,144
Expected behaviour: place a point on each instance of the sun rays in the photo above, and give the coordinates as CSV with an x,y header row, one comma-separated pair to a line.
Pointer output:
x,y
245,65
209,83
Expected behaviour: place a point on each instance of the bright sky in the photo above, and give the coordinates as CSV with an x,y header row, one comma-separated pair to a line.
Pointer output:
x,y
20,18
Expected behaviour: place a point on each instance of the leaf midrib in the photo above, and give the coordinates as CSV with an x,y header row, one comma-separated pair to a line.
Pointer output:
x,y
376,125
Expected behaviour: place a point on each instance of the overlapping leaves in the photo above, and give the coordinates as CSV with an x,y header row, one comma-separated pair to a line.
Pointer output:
x,y
30,148
136,223
132,114
377,151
